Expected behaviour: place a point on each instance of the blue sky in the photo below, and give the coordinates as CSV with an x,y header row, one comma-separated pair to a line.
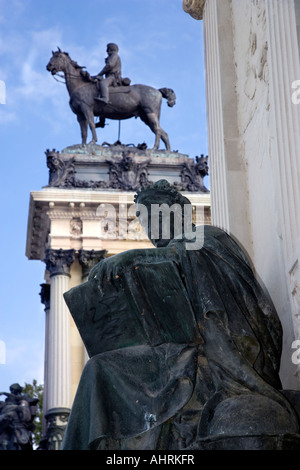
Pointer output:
x,y
159,45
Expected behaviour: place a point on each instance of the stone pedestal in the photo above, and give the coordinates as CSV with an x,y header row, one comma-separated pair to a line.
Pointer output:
x,y
124,168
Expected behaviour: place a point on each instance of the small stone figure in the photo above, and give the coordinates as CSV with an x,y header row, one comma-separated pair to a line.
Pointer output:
x,y
111,71
17,413
184,343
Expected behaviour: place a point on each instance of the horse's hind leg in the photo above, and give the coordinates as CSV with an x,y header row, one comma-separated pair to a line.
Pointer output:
x,y
165,139
153,123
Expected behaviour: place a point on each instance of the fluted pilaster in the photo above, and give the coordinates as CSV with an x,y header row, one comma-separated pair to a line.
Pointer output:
x,y
284,69
251,62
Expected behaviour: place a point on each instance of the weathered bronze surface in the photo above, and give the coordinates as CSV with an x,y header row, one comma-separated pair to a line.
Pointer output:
x,y
17,413
117,100
184,346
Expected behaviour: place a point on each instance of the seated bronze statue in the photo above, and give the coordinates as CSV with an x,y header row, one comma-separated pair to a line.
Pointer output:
x,y
184,345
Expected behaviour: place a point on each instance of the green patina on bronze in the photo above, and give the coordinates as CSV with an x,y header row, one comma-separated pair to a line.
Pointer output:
x,y
184,348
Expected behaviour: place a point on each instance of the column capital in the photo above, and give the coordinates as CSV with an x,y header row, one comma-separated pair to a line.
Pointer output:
x,y
57,419
45,295
194,8
59,261
89,258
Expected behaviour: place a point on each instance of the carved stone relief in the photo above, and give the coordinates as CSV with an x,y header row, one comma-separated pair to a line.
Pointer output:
x,y
61,173
194,8
76,226
257,57
125,174
192,175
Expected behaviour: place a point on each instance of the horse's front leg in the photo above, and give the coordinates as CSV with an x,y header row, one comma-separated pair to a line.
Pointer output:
x,y
90,117
93,130
157,141
83,128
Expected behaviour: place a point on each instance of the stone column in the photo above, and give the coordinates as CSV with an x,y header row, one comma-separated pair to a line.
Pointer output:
x,y
45,299
58,381
88,259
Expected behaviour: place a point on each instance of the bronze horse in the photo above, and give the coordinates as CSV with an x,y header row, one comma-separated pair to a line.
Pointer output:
x,y
124,101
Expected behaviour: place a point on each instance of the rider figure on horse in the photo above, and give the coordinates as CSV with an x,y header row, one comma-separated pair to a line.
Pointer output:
x,y
112,72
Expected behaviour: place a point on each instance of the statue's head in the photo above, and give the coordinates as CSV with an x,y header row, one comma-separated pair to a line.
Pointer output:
x,y
161,211
59,61
16,389
56,63
112,47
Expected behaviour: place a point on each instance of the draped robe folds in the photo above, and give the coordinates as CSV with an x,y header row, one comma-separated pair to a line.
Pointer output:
x,y
170,340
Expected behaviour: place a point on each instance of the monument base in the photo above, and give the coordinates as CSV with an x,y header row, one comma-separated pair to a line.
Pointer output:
x,y
123,167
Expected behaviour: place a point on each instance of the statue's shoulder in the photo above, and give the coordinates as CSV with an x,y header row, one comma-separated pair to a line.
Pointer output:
x,y
222,241
213,231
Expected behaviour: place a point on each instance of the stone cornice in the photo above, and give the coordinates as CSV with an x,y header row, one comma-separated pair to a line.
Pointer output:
x,y
194,8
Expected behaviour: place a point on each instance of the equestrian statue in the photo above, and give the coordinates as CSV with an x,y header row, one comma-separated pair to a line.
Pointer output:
x,y
108,95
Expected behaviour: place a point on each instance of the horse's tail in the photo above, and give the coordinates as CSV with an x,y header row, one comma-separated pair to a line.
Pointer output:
x,y
169,94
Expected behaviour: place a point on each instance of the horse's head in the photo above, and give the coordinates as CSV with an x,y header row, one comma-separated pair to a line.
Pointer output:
x,y
57,62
